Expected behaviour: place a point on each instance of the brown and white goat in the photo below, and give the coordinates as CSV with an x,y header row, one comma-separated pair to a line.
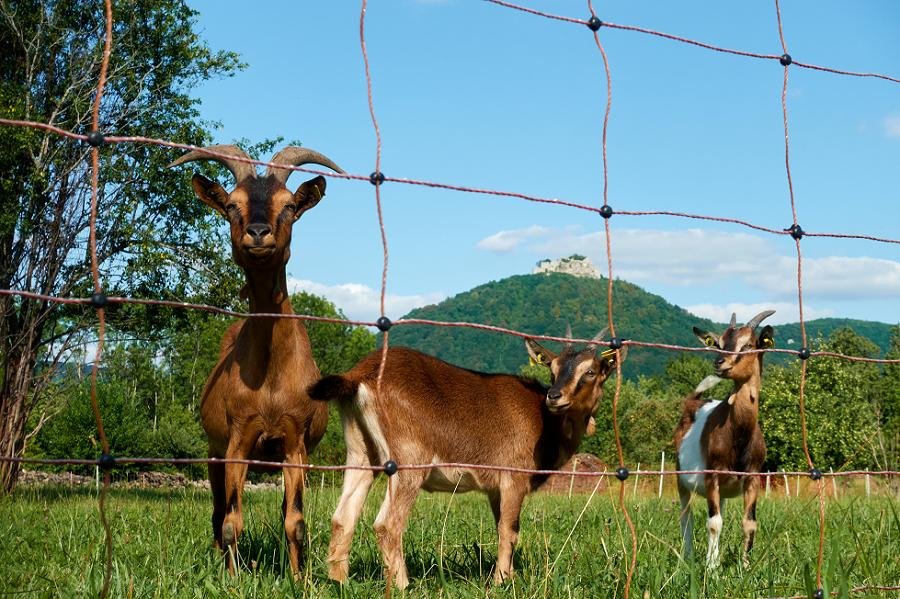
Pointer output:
x,y
724,435
254,405
428,412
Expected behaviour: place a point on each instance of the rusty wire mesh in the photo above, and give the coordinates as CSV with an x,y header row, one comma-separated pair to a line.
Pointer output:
x,y
378,179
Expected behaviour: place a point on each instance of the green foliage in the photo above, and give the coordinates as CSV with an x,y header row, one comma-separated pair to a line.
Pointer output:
x,y
336,346
841,420
150,391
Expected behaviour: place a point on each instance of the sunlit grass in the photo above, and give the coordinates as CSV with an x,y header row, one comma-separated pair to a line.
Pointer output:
x,y
578,546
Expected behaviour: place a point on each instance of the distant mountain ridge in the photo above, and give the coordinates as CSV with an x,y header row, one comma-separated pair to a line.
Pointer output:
x,y
543,304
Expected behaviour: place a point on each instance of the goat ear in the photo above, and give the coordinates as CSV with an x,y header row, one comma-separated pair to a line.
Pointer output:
x,y
539,354
766,339
309,194
210,193
708,339
608,359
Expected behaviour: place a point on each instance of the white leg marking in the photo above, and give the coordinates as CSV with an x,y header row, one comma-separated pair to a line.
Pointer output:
x,y
687,525
714,525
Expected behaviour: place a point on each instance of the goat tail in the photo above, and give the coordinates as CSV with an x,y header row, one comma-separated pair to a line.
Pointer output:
x,y
333,388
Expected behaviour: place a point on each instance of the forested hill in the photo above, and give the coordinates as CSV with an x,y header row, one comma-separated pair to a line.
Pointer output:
x,y
543,304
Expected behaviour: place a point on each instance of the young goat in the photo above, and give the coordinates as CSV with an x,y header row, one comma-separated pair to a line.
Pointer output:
x,y
254,405
724,435
427,411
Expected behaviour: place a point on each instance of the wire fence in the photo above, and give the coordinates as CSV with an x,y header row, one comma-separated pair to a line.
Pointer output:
x,y
95,138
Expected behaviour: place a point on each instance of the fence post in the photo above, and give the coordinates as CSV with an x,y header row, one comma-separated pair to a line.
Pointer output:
x,y
768,483
868,484
572,478
787,484
634,492
662,467
833,483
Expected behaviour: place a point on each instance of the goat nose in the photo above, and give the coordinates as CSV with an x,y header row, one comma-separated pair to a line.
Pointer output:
x,y
553,395
257,230
720,360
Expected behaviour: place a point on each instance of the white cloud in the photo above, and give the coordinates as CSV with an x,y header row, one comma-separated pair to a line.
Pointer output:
x,y
362,303
505,241
785,312
892,126
702,257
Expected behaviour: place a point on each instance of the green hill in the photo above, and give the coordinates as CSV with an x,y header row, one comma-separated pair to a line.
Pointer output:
x,y
543,304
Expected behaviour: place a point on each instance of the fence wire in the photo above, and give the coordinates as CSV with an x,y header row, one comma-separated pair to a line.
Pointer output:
x,y
377,178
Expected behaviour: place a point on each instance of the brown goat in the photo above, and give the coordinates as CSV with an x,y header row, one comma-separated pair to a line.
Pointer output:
x,y
428,411
254,405
724,435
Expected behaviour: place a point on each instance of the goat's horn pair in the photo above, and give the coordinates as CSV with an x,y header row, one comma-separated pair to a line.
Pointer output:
x,y
240,170
733,321
296,156
289,156
754,322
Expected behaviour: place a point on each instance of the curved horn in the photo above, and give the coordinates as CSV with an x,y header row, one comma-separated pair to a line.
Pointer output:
x,y
733,321
296,156
597,339
754,322
240,170
568,335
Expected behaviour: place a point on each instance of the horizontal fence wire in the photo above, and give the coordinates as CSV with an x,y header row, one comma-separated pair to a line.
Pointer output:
x,y
595,24
139,461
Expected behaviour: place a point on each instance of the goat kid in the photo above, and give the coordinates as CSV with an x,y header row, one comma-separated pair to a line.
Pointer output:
x,y
427,411
254,405
724,435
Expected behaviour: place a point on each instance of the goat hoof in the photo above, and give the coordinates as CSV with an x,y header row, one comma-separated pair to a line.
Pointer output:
x,y
228,535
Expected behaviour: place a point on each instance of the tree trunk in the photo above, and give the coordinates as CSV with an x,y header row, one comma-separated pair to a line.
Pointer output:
x,y
14,410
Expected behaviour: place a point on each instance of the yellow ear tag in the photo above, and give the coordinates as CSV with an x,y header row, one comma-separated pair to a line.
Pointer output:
x,y
318,193
533,362
769,342
709,341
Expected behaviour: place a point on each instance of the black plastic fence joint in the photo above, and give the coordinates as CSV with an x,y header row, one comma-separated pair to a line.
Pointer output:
x,y
804,353
785,59
819,594
622,473
796,231
98,300
376,178
606,211
615,343
390,467
384,324
815,474
95,139
106,461
594,24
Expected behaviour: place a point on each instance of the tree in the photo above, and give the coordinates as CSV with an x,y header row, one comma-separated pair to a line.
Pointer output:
x,y
841,420
153,238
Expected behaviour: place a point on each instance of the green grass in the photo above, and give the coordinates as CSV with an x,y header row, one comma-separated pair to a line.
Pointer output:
x,y
52,545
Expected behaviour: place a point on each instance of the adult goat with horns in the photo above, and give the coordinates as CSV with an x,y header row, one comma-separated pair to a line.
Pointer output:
x,y
254,405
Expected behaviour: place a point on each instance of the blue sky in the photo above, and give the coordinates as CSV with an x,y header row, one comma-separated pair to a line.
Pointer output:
x,y
474,94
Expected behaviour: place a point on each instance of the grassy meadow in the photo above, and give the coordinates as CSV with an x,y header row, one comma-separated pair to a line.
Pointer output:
x,y
570,546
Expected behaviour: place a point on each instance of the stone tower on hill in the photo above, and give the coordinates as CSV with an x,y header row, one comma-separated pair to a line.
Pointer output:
x,y
575,265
